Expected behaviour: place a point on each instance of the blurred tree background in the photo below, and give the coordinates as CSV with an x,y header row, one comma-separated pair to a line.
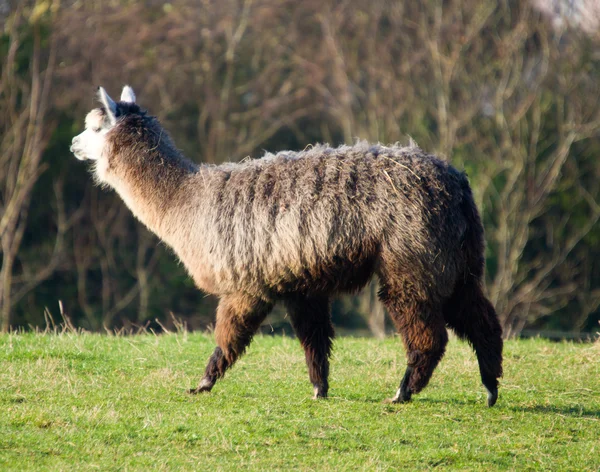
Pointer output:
x,y
507,90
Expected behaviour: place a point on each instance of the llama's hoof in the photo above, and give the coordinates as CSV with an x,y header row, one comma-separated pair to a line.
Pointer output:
x,y
396,400
319,393
492,397
205,386
401,397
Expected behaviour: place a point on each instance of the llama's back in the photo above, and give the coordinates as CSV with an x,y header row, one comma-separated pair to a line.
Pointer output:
x,y
320,219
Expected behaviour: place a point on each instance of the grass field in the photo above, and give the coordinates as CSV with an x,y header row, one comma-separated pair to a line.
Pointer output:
x,y
84,402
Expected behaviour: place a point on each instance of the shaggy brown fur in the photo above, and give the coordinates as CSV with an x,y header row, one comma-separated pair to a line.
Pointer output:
x,y
299,227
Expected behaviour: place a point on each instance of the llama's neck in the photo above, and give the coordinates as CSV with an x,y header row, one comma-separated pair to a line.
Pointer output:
x,y
155,191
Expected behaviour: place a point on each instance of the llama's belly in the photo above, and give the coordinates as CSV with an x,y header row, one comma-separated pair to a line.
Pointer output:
x,y
344,273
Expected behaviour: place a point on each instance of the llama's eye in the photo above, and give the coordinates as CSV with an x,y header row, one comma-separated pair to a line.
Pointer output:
x,y
96,130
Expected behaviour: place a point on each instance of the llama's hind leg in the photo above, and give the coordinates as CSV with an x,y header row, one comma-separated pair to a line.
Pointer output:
x,y
423,331
311,319
472,317
238,318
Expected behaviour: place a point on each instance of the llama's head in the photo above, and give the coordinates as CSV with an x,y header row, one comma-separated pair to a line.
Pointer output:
x,y
91,144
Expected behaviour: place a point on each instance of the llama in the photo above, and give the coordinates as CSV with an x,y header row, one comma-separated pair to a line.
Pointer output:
x,y
300,227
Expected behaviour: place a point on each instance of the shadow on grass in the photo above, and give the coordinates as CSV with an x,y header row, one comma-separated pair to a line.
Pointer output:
x,y
385,400
574,411
446,401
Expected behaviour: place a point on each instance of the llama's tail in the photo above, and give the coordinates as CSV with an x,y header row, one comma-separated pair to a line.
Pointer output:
x,y
468,312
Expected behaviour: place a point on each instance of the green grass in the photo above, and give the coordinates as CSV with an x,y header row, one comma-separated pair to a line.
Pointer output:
x,y
84,402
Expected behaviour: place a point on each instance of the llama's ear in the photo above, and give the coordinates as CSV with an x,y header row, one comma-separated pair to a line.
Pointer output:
x,y
127,95
109,105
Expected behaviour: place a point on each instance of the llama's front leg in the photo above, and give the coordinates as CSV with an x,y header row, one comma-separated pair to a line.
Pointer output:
x,y
311,320
238,318
216,367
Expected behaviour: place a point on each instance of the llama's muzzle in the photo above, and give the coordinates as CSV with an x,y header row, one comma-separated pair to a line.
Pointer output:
x,y
76,149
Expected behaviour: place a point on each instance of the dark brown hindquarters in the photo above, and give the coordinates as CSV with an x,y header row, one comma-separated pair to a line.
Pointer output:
x,y
421,314
468,312
238,319
311,319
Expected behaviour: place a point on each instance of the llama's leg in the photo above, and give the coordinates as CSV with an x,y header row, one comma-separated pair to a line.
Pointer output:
x,y
423,331
238,318
311,320
472,317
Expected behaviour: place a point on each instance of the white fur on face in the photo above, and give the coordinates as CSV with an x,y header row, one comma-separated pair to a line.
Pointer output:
x,y
90,144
